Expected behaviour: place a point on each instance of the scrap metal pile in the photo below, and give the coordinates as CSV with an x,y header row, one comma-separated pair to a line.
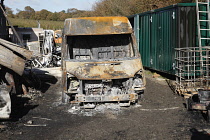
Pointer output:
x,y
49,53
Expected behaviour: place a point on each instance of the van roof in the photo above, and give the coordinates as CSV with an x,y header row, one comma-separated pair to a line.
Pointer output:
x,y
97,26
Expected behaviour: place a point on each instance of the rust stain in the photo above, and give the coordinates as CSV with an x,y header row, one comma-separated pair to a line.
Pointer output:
x,y
116,98
105,19
132,97
97,26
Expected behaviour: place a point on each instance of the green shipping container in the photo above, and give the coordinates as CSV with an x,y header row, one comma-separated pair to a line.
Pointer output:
x,y
159,31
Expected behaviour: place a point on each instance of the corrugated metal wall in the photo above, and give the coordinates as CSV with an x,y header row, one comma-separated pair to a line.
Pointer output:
x,y
162,30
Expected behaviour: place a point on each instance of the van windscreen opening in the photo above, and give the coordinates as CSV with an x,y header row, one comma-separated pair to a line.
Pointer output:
x,y
96,47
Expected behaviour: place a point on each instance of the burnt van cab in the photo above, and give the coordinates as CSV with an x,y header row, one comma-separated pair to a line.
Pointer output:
x,y
101,61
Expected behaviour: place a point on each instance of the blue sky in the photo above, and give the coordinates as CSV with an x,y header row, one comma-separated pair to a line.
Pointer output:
x,y
50,5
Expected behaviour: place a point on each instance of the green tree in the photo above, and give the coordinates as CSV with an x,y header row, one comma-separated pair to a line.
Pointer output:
x,y
53,16
62,16
21,14
63,11
37,15
9,12
29,12
129,7
43,14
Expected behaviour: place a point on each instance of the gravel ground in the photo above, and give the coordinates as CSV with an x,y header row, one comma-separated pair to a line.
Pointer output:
x,y
161,115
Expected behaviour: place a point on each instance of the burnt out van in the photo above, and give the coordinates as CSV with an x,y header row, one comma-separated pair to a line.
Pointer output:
x,y
101,61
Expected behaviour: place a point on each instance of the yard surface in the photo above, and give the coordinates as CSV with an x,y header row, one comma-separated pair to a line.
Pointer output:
x,y
161,115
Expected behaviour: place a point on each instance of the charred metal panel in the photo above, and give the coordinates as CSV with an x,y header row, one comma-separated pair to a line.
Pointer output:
x,y
97,26
104,70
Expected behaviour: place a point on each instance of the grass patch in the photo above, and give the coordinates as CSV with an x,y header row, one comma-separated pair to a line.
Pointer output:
x,y
45,24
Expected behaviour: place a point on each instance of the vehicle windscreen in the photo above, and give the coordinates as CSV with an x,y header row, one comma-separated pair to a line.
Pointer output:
x,y
100,47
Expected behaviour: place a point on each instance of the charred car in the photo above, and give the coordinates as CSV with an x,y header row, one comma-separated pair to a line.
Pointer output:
x,y
101,61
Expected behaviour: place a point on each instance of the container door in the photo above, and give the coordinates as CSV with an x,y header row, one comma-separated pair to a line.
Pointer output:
x,y
163,40
145,39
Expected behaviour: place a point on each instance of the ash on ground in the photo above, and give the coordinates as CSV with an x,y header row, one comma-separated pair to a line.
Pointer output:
x,y
107,108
